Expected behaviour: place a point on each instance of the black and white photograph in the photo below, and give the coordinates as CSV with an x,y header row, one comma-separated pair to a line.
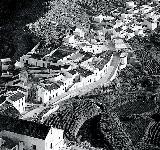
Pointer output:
x,y
79,74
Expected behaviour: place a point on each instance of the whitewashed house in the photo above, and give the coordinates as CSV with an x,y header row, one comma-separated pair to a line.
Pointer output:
x,y
18,100
47,92
30,135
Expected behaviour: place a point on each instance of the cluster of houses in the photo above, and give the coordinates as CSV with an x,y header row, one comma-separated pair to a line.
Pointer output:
x,y
18,134
84,58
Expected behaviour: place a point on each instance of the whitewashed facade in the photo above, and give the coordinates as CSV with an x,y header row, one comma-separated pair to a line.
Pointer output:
x,y
18,100
53,141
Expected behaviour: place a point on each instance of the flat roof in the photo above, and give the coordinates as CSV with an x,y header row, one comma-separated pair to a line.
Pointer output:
x,y
16,96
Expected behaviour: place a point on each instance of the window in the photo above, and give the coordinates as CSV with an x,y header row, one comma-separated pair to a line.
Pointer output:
x,y
51,146
34,147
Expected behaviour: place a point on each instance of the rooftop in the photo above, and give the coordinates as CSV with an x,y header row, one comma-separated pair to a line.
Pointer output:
x,y
16,96
51,86
84,72
24,127
7,109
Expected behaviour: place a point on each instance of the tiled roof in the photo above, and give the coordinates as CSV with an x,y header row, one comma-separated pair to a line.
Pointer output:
x,y
51,86
84,72
16,96
24,127
7,109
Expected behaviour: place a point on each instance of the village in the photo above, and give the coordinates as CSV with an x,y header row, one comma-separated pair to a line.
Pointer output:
x,y
44,79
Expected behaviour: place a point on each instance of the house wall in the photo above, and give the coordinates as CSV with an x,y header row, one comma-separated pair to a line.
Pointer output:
x,y
28,141
19,104
40,94
55,136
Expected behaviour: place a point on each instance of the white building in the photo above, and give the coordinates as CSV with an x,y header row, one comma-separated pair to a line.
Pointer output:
x,y
30,135
18,100
47,92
